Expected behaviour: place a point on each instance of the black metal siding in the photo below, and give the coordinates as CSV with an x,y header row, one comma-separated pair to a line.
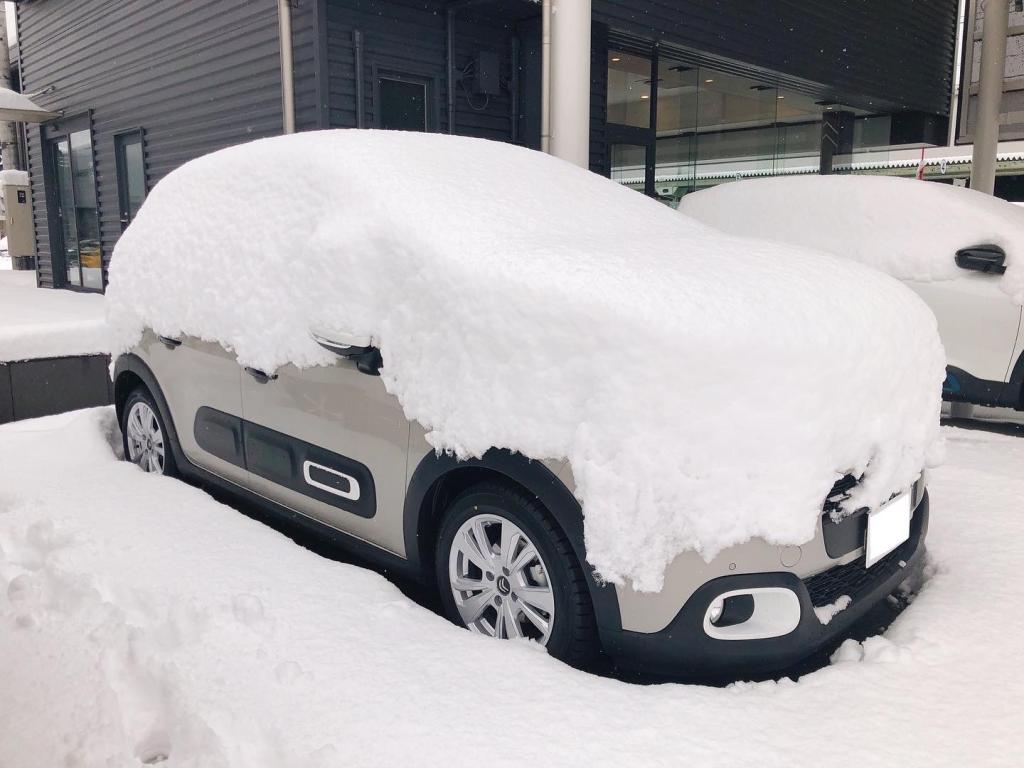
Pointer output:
x,y
410,36
897,54
195,76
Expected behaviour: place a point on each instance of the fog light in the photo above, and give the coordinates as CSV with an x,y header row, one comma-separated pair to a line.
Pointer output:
x,y
733,610
752,614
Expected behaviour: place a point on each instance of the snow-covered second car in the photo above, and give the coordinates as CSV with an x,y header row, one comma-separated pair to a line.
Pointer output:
x,y
338,440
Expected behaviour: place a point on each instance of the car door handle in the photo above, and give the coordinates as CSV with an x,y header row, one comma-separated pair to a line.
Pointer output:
x,y
168,342
261,376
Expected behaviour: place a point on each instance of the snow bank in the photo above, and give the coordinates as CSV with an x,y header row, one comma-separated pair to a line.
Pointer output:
x,y
907,228
704,389
139,618
38,322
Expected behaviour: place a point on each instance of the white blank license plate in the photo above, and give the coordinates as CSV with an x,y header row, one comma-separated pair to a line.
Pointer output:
x,y
888,527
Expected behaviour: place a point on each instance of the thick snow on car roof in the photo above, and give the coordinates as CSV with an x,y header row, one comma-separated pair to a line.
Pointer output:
x,y
905,227
704,389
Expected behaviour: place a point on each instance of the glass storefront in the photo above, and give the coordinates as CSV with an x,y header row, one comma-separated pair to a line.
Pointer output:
x,y
711,125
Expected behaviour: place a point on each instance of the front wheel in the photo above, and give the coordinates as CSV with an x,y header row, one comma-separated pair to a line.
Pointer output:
x,y
506,570
145,438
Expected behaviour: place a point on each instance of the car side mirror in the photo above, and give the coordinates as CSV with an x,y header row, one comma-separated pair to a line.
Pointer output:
x,y
359,349
982,258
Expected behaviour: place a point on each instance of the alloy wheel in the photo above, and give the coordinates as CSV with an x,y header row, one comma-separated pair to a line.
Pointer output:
x,y
145,438
500,581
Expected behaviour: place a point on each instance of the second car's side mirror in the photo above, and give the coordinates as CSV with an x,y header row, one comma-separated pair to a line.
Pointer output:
x,y
357,348
982,258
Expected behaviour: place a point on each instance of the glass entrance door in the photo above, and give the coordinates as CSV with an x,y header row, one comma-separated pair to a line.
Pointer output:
x,y
60,150
78,225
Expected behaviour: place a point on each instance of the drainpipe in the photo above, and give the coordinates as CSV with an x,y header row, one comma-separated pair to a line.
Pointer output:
x,y
284,25
990,97
545,77
450,65
569,89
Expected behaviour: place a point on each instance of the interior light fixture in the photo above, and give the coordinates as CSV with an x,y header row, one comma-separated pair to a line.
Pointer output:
x,y
644,96
616,58
710,80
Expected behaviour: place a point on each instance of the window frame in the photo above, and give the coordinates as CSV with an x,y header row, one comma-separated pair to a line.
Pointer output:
x,y
431,90
120,166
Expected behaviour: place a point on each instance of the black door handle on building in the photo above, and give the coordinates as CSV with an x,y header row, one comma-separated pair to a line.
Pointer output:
x,y
261,376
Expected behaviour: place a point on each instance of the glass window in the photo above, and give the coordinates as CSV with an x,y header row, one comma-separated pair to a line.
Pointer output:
x,y
131,175
629,89
736,125
402,104
86,212
713,125
65,194
628,163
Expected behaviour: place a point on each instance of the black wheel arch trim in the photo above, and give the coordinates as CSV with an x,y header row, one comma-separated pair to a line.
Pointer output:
x,y
531,475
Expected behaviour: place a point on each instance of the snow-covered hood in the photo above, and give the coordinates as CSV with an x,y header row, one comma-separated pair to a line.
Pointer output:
x,y
907,228
704,389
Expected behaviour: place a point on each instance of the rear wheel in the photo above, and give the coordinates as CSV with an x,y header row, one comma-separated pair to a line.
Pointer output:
x,y
145,438
505,570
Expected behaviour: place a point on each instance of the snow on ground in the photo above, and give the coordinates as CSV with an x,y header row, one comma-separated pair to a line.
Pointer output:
x,y
905,227
37,322
539,321
141,620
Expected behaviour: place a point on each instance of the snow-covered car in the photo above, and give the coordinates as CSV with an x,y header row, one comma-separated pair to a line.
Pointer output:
x,y
692,452
959,250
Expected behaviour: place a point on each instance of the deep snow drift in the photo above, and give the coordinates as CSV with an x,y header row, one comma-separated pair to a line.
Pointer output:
x,y
523,303
140,619
905,227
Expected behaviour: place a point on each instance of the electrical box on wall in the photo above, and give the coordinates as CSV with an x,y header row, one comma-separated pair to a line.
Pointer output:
x,y
486,73
18,224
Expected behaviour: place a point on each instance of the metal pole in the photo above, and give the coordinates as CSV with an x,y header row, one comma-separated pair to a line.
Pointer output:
x,y
990,96
284,24
357,54
545,77
570,81
8,130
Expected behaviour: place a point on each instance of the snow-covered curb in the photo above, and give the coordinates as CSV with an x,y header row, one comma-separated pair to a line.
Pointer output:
x,y
140,618
38,322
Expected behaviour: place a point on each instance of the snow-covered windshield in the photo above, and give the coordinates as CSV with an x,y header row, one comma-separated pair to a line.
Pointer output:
x,y
907,228
704,389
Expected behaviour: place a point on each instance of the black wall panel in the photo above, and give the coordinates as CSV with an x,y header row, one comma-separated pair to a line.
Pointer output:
x,y
195,76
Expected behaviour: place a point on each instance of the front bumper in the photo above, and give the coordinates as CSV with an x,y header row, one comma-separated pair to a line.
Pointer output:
x,y
683,649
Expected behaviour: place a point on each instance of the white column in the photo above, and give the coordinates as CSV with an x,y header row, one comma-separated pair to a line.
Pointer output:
x,y
990,96
569,91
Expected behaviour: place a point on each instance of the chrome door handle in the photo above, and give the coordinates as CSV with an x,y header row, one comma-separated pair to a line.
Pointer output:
x,y
261,376
168,342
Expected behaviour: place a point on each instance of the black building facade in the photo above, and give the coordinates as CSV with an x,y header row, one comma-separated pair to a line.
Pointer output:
x,y
683,93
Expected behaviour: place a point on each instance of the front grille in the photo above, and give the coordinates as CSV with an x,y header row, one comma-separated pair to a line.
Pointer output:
x,y
840,492
854,579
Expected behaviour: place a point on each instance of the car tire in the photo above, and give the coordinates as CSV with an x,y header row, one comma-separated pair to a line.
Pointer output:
x,y
144,434
509,589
